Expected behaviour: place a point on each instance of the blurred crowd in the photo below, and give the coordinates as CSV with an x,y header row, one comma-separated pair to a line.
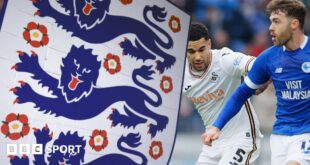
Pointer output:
x,y
241,25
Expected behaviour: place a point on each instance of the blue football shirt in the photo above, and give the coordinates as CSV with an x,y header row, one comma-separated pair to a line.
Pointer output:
x,y
290,73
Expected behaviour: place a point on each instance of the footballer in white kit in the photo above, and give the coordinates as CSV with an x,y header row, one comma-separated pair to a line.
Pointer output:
x,y
209,89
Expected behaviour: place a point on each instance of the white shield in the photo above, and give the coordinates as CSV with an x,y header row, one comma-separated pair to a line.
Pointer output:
x,y
90,81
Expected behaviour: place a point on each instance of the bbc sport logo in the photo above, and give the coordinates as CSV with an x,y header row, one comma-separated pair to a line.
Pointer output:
x,y
37,149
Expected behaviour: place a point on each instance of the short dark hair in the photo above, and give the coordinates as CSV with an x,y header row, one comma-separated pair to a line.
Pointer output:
x,y
198,31
292,8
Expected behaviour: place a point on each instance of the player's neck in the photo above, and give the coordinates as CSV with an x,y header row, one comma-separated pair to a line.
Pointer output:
x,y
296,41
197,73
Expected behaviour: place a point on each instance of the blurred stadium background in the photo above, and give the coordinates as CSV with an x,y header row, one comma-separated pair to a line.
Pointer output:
x,y
241,25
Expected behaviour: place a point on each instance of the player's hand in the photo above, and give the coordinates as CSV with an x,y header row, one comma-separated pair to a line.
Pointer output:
x,y
212,134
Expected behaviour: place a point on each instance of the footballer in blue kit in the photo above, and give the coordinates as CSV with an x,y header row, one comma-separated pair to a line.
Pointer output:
x,y
287,64
290,74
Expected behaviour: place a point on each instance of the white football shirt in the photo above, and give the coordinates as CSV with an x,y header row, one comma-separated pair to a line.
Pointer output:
x,y
210,91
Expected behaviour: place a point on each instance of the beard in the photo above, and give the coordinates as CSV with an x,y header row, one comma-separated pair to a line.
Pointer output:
x,y
283,37
199,68
282,41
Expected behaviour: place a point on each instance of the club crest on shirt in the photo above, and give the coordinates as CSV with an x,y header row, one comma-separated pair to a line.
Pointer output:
x,y
306,67
215,77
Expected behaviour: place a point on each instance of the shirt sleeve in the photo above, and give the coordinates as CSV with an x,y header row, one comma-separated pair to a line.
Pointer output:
x,y
235,63
259,74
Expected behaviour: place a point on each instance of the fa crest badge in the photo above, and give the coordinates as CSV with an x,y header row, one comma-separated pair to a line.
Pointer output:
x,y
90,82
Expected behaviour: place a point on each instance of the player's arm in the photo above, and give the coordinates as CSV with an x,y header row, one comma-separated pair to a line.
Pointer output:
x,y
238,64
257,77
234,104
231,108
234,63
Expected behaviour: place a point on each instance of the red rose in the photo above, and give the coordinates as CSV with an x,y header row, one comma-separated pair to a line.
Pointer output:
x,y
15,126
112,63
166,84
156,150
98,140
36,34
174,24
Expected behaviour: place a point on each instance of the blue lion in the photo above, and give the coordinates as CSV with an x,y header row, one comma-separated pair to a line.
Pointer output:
x,y
76,96
76,156
90,21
